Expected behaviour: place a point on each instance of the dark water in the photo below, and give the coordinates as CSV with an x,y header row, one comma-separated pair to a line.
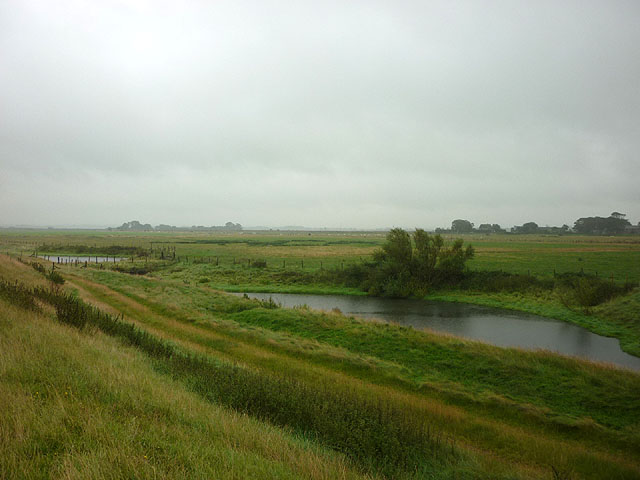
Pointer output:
x,y
496,326
80,259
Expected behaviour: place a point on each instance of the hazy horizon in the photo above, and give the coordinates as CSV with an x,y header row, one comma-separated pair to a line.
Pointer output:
x,y
339,114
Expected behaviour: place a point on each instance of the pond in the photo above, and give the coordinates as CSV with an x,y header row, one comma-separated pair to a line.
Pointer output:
x,y
80,259
500,327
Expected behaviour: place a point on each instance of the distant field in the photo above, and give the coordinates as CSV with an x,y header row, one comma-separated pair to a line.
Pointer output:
x,y
538,255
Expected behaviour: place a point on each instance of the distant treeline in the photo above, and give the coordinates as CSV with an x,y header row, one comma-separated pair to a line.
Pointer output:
x,y
614,224
136,226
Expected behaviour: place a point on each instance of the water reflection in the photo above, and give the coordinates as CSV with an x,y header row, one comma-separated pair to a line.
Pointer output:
x,y
80,259
496,326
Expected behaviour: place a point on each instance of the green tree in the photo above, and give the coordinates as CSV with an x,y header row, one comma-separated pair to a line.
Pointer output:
x,y
392,273
397,249
616,223
408,265
452,261
461,226
427,251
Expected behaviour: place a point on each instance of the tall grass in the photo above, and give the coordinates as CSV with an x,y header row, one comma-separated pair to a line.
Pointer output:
x,y
18,295
75,406
378,436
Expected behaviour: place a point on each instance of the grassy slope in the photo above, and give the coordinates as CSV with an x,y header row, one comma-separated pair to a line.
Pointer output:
x,y
75,405
541,409
51,364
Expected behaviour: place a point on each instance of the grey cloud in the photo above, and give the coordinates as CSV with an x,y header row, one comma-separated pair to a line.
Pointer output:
x,y
321,113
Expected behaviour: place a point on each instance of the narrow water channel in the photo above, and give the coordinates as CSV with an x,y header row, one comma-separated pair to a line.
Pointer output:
x,y
80,259
504,328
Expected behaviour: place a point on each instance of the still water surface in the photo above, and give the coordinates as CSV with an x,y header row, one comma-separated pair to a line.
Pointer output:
x,y
79,259
496,326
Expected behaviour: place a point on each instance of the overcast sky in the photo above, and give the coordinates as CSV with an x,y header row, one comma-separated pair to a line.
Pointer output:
x,y
318,113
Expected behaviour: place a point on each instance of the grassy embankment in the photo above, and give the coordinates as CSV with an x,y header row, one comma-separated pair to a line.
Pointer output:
x,y
80,404
510,411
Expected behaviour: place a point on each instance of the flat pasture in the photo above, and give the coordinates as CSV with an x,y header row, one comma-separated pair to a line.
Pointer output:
x,y
539,255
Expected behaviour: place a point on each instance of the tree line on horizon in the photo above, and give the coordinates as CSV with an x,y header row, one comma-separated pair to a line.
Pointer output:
x,y
614,224
136,226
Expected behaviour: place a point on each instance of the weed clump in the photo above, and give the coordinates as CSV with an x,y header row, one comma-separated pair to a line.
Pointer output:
x,y
17,295
55,278
587,290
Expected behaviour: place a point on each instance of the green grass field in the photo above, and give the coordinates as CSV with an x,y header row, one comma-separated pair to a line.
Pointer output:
x,y
497,413
538,255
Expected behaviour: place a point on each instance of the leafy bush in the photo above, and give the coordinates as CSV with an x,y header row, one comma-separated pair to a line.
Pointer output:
x,y
270,304
136,269
496,281
55,277
410,264
587,290
17,295
38,267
